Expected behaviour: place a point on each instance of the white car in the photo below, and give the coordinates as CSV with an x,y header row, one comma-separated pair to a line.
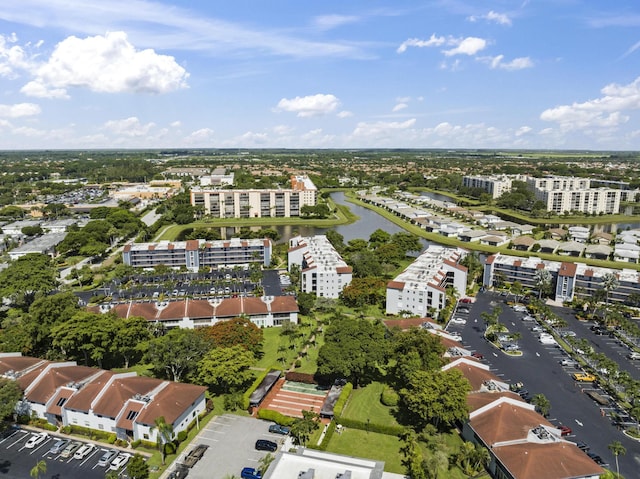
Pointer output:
x,y
36,440
458,321
528,318
84,451
455,336
120,461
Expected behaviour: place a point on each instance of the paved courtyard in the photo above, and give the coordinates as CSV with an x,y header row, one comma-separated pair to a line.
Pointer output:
x,y
291,398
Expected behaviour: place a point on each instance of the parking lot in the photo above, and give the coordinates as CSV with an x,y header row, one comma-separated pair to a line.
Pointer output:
x,y
17,460
547,369
231,440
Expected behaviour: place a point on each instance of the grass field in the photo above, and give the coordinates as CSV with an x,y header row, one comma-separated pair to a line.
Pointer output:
x,y
364,404
381,447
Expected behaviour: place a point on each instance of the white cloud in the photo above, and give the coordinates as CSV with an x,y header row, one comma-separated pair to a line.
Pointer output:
x,y
203,136
129,127
416,42
515,64
307,106
604,112
345,114
19,110
168,26
106,64
329,22
381,129
12,57
175,124
400,106
467,46
499,18
523,130
283,130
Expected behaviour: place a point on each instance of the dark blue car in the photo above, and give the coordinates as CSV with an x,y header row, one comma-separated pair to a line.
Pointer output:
x,y
278,429
250,473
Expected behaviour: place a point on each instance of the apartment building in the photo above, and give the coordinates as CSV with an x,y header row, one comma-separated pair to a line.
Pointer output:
x,y
421,288
254,203
494,185
568,280
194,254
66,394
563,193
323,272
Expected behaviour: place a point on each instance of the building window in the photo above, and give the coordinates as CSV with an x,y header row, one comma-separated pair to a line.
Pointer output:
x,y
146,436
61,402
131,415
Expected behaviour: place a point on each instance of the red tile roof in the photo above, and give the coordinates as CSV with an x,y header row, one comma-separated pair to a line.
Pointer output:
x,y
506,422
47,385
550,461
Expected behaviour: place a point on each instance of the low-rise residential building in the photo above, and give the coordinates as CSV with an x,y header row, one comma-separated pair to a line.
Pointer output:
x,y
194,254
45,244
255,203
522,444
421,288
66,394
264,312
323,272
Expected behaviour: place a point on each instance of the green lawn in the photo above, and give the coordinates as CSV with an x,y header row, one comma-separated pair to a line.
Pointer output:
x,y
381,447
364,404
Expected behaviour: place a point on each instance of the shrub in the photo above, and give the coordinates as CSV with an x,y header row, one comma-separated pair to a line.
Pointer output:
x,y
182,436
135,444
298,363
275,416
111,439
327,436
169,448
342,400
65,429
389,397
121,443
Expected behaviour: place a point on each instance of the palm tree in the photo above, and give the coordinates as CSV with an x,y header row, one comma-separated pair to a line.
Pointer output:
x,y
542,280
609,283
39,468
165,435
265,462
617,449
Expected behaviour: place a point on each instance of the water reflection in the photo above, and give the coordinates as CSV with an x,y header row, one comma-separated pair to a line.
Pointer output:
x,y
368,222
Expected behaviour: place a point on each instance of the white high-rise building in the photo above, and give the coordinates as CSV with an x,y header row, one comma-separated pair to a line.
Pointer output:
x,y
323,272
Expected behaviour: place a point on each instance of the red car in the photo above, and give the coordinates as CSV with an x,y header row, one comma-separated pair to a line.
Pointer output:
x,y
564,430
477,355
465,300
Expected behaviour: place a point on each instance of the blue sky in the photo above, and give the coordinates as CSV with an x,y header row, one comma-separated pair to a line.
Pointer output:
x,y
557,74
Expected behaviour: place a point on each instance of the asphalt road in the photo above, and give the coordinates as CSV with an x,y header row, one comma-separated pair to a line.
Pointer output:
x,y
540,370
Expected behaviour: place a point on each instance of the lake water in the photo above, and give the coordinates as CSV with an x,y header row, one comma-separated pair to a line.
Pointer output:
x,y
368,222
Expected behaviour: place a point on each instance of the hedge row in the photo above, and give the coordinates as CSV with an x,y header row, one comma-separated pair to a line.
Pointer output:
x,y
275,416
327,436
342,400
300,377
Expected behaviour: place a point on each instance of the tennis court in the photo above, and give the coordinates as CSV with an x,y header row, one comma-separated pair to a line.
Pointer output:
x,y
291,398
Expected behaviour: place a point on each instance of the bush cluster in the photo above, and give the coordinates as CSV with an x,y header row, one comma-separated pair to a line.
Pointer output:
x,y
342,400
389,397
275,416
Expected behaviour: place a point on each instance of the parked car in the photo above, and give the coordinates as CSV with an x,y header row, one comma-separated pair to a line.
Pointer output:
x,y
120,461
633,355
569,362
180,472
583,446
455,336
583,377
195,455
107,457
466,300
278,429
36,440
250,473
71,448
264,445
84,451
477,355
597,459
458,321
58,446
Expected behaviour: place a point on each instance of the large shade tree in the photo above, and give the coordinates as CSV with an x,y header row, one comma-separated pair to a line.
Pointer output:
x,y
353,349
